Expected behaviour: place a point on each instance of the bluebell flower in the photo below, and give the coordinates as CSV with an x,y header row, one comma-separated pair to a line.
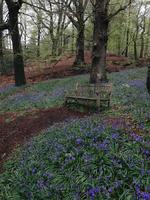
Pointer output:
x,y
93,192
79,141
34,170
114,135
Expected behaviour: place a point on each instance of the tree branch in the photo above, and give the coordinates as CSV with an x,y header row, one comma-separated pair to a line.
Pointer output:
x,y
119,10
4,26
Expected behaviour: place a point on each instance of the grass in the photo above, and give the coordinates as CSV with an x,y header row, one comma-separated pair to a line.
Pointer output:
x,y
83,159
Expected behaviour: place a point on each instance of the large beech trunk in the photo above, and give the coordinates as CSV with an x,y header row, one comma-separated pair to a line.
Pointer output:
x,y
17,48
80,26
100,38
79,60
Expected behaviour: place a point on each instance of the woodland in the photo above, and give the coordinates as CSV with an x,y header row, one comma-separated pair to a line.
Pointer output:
x,y
51,150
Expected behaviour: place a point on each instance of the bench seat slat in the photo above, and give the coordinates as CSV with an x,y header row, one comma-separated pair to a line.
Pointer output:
x,y
88,98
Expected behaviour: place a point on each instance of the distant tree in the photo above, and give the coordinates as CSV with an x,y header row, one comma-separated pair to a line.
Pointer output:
x,y
12,26
128,32
1,36
143,30
76,14
148,80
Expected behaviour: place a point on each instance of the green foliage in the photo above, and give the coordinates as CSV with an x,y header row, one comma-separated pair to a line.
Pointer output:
x,y
83,158
80,159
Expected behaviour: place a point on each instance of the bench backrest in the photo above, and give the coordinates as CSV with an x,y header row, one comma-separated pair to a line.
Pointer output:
x,y
91,90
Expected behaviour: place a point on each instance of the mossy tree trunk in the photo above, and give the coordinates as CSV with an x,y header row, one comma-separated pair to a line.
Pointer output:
x,y
13,8
79,60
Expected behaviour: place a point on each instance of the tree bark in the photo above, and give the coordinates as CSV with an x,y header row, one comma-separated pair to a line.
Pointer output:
x,y
147,41
1,37
100,38
38,41
135,50
77,19
127,43
128,34
142,42
143,32
79,60
148,80
16,42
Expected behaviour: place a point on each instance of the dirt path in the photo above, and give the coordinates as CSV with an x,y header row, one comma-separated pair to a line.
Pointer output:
x,y
17,132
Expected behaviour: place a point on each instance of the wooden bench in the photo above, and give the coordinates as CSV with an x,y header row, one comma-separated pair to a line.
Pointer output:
x,y
90,95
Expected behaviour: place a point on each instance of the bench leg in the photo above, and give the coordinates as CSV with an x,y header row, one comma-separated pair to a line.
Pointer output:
x,y
98,104
65,102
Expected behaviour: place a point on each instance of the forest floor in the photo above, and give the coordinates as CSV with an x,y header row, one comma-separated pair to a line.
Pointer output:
x,y
37,70
43,144
22,128
28,110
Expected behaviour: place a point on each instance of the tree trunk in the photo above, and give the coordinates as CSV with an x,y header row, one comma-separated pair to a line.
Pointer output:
x,y
1,38
127,43
79,60
54,47
38,41
143,32
17,48
147,41
135,50
148,80
128,33
142,44
100,38
72,42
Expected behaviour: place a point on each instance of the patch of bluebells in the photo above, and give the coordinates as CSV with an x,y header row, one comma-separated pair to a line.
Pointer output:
x,y
22,100
76,154
58,92
32,99
7,88
130,93
141,195
104,145
141,84
92,192
79,141
80,158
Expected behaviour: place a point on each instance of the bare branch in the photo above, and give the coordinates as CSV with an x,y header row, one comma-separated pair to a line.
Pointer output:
x,y
4,26
119,10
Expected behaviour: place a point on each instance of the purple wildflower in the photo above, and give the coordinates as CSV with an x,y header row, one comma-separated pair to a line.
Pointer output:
x,y
142,195
136,137
110,190
137,83
104,145
93,192
34,170
114,136
7,88
79,141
